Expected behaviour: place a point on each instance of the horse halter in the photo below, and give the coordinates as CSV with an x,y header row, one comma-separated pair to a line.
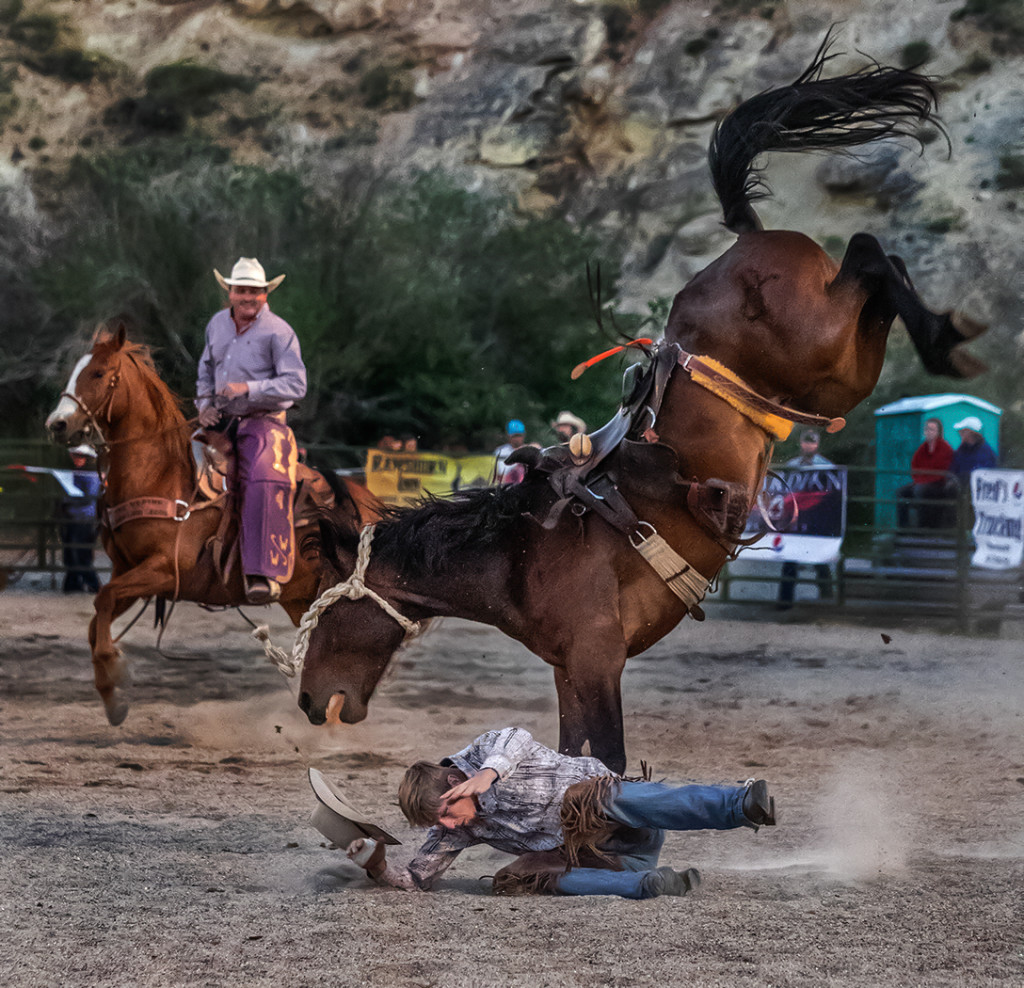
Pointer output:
x,y
354,588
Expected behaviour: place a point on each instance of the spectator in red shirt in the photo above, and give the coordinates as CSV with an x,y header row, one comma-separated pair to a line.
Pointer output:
x,y
928,470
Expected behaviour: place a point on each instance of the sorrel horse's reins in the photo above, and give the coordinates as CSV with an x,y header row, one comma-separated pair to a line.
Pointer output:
x,y
171,509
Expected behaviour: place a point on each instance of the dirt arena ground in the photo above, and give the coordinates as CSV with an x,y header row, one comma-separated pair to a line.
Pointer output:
x,y
175,849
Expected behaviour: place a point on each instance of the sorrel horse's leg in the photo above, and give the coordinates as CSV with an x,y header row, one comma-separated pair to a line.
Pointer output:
x,y
114,598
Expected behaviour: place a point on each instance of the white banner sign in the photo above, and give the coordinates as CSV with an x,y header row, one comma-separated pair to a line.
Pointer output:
x,y
998,497
806,508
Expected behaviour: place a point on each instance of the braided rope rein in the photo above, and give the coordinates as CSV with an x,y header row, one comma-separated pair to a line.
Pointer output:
x,y
354,588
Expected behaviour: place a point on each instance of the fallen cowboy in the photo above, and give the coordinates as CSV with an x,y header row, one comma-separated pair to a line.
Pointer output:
x,y
575,827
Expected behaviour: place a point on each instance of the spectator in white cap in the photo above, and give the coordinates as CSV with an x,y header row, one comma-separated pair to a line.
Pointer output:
x,y
250,372
973,453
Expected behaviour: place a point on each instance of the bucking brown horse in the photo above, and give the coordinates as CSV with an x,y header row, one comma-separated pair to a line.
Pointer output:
x,y
169,543
607,545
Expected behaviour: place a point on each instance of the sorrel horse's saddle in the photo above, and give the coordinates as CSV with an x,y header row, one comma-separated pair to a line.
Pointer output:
x,y
215,466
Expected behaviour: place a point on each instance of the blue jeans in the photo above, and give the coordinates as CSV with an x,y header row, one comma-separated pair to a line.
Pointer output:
x,y
646,810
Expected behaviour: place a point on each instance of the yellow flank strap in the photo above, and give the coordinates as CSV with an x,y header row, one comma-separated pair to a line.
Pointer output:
x,y
774,425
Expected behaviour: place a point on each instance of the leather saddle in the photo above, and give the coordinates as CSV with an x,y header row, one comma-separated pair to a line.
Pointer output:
x,y
626,461
215,466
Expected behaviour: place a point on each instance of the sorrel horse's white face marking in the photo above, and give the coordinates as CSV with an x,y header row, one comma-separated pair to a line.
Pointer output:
x,y
66,409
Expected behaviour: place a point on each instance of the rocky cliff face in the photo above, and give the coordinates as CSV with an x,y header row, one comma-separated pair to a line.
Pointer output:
x,y
599,111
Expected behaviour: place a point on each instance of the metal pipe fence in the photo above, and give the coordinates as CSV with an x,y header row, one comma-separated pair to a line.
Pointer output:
x,y
909,569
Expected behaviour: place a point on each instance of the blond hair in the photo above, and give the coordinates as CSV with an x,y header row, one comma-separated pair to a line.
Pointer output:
x,y
420,791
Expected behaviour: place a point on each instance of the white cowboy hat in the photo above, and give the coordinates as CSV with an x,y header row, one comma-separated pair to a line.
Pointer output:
x,y
339,821
567,418
248,271
83,451
972,422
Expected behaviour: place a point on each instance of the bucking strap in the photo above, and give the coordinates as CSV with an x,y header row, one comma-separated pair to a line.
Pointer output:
x,y
775,419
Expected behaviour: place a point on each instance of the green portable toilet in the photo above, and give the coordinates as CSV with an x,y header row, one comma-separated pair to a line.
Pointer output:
x,y
899,430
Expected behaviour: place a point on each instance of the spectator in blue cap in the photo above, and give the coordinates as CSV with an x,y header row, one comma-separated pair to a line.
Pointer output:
x,y
504,472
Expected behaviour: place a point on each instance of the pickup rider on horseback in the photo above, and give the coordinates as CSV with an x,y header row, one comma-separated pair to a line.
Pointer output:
x,y
250,372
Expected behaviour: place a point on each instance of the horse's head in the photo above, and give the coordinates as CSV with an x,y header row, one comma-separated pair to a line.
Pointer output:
x,y
349,650
89,398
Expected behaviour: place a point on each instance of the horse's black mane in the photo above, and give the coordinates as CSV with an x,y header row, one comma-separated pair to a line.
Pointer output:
x,y
431,537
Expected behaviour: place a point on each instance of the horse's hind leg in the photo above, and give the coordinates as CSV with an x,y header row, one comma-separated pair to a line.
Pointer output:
x,y
936,336
112,600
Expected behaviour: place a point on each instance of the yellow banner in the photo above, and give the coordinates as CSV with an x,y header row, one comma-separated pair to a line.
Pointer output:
x,y
404,478
475,471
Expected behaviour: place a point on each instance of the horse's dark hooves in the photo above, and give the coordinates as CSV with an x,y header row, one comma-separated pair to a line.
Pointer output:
x,y
966,364
967,327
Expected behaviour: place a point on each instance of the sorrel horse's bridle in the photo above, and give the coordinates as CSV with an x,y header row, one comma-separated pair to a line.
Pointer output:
x,y
91,416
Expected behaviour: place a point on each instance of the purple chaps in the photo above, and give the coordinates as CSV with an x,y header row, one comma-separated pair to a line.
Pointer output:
x,y
266,483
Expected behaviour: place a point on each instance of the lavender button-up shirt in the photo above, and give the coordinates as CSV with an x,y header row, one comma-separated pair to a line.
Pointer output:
x,y
266,356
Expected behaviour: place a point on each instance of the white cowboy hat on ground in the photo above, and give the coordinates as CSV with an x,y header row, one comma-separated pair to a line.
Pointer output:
x,y
972,422
248,271
339,821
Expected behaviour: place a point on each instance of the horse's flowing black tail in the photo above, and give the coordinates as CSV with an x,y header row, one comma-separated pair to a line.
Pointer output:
x,y
812,114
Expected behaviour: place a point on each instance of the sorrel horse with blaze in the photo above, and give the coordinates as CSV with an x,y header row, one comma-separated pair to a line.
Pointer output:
x,y
116,401
771,333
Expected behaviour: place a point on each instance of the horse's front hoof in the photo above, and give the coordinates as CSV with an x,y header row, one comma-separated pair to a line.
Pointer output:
x,y
116,707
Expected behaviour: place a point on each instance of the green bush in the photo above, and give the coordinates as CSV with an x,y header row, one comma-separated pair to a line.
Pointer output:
x,y
1003,18
10,10
192,86
978,64
1011,172
39,32
52,49
174,93
71,64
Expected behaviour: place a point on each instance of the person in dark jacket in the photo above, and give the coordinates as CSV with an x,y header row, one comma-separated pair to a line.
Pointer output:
x,y
973,453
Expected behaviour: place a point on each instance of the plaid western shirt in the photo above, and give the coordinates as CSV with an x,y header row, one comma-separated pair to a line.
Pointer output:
x,y
519,813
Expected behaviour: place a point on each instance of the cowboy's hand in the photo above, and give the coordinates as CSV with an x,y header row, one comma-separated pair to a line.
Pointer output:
x,y
473,786
209,417
368,854
234,389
